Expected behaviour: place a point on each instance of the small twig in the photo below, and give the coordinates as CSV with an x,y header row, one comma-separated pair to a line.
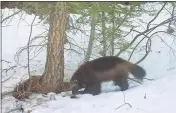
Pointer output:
x,y
128,32
149,79
41,35
145,96
28,52
7,78
147,51
125,17
172,15
5,61
146,31
73,51
7,69
6,93
156,15
10,16
135,48
125,103
134,80
174,51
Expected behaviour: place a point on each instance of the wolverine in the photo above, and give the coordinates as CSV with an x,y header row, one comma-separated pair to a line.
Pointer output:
x,y
109,68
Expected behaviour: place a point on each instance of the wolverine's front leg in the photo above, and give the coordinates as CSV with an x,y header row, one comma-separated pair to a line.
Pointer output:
x,y
75,89
93,89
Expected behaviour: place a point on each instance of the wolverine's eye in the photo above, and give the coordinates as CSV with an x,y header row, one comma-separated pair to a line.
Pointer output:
x,y
75,81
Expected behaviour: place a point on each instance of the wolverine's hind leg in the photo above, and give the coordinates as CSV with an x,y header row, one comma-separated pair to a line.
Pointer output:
x,y
122,81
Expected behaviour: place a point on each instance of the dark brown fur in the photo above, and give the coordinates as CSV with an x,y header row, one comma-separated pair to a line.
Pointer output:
x,y
92,73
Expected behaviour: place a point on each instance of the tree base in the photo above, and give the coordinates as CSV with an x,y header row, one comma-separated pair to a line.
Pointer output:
x,y
34,85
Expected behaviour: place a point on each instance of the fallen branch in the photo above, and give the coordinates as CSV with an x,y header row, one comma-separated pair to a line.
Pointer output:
x,y
149,79
134,80
125,103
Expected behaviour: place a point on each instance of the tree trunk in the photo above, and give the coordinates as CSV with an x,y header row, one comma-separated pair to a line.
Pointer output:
x,y
54,67
103,33
113,31
92,35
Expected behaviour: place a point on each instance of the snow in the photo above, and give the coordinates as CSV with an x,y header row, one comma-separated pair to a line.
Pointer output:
x,y
157,96
160,98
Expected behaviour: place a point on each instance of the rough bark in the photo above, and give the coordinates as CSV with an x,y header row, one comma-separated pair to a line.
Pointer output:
x,y
54,67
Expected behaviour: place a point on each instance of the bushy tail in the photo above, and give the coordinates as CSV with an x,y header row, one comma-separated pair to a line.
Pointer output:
x,y
137,71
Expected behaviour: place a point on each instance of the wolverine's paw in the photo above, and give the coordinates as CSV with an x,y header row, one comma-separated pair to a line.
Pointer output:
x,y
73,97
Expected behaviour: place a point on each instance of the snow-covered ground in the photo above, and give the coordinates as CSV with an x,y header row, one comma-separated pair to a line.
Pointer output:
x,y
156,96
152,97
